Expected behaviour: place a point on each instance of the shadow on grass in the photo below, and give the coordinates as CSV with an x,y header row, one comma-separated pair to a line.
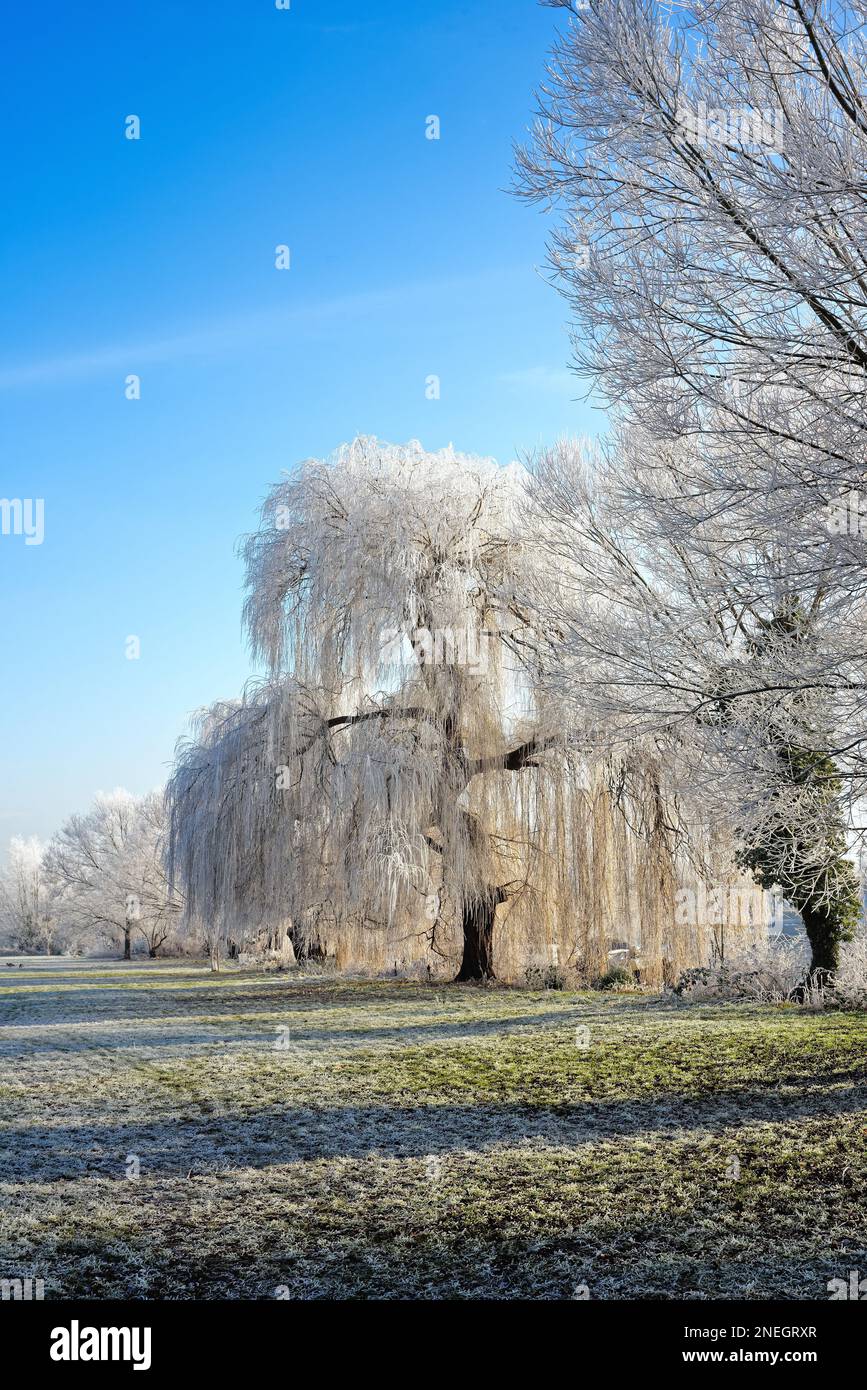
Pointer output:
x,y
213,1141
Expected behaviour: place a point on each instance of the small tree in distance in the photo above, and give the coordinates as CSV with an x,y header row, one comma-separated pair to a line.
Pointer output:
x,y
108,875
26,910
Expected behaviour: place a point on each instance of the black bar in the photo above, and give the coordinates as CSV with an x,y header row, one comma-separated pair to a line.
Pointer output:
x,y
239,1338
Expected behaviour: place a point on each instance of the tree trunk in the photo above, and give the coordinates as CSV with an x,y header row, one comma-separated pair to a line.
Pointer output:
x,y
478,925
830,906
824,937
127,946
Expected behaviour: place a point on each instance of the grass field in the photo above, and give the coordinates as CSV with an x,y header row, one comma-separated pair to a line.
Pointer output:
x,y
325,1138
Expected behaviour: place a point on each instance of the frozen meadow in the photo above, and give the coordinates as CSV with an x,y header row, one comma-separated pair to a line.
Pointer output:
x,y
168,1133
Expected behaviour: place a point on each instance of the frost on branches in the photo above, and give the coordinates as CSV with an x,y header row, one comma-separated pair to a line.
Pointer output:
x,y
401,775
706,166
722,653
107,874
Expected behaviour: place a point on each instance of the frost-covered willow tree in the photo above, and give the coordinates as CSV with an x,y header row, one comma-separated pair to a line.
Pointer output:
x,y
392,766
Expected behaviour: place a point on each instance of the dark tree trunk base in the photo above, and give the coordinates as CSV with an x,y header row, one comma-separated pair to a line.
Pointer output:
x,y
478,925
824,940
308,949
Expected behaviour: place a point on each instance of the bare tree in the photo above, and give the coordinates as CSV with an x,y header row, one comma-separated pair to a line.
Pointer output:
x,y
707,164
713,648
27,917
108,872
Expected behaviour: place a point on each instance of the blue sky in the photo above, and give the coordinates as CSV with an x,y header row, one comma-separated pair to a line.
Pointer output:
x,y
156,257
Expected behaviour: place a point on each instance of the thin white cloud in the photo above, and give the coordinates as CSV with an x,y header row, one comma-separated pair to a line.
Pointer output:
x,y
227,335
